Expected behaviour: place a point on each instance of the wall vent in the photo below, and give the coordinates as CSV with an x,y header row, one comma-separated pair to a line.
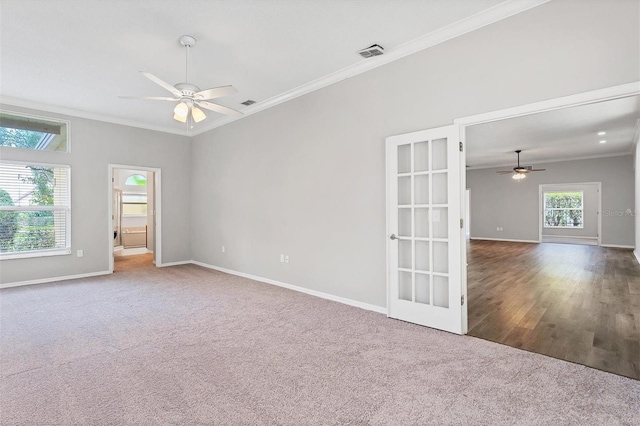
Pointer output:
x,y
371,51
248,102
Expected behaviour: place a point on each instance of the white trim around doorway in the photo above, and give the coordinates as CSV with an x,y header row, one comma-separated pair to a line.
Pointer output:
x,y
541,189
594,96
158,210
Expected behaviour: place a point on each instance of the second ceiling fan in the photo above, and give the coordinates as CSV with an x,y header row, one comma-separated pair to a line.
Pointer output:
x,y
520,172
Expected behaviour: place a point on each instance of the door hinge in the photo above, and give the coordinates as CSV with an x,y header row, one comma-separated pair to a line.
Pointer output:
x,y
461,223
112,180
460,146
462,300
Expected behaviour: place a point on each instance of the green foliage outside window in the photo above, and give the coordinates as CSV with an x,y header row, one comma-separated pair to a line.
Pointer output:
x,y
18,138
563,209
8,222
29,230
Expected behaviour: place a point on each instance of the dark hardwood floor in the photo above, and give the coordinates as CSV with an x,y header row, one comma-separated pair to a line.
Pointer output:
x,y
573,302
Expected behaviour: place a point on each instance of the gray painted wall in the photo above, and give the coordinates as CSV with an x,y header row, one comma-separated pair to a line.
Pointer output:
x,y
498,200
94,145
307,178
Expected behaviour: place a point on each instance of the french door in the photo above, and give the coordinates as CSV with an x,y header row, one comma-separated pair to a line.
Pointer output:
x,y
425,229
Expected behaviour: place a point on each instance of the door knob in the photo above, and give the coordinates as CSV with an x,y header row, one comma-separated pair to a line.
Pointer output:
x,y
393,237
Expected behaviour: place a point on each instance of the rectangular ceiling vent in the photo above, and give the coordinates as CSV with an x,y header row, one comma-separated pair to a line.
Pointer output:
x,y
371,51
248,102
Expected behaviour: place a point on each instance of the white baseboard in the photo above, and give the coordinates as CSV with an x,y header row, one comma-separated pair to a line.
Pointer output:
x,y
52,279
505,239
637,255
320,294
617,246
344,300
181,262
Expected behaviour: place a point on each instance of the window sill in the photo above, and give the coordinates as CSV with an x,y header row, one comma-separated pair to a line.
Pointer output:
x,y
35,253
563,227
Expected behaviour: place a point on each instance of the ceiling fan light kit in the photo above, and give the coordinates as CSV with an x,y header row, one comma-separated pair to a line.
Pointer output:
x,y
189,97
519,172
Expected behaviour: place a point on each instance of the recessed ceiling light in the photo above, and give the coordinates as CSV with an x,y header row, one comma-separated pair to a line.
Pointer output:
x,y
602,133
603,141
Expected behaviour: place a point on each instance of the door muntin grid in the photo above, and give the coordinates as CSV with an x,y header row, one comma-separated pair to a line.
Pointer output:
x,y
423,223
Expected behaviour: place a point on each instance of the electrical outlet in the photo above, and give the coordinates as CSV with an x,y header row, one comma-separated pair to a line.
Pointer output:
x,y
223,249
286,258
80,253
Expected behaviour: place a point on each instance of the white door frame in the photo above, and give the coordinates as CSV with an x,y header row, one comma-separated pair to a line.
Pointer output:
x,y
594,96
541,188
158,208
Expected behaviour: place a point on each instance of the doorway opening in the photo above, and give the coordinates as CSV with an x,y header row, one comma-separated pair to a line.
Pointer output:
x,y
570,213
134,217
526,286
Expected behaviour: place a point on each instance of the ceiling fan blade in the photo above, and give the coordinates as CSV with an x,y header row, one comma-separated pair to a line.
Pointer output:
x,y
219,108
162,83
216,92
150,98
537,170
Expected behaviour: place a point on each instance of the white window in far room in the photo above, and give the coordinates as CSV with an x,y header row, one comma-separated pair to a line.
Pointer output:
x,y
563,209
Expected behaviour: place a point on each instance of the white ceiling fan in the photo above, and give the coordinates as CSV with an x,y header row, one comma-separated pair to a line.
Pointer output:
x,y
520,172
191,99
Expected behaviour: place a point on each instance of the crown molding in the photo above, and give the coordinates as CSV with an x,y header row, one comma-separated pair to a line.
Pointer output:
x,y
557,160
481,19
22,103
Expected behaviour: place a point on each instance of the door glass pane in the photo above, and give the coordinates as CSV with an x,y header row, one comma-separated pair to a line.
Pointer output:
x,y
421,157
404,158
422,255
440,189
422,189
440,291
422,222
404,190
404,222
440,219
404,286
404,254
440,257
422,288
439,154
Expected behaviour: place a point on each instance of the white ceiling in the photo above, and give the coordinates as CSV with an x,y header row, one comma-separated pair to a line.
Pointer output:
x,y
82,55
563,134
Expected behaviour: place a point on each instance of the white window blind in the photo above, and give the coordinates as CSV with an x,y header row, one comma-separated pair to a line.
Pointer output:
x,y
35,209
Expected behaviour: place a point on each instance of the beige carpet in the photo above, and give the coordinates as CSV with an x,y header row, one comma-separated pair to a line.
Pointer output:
x,y
189,346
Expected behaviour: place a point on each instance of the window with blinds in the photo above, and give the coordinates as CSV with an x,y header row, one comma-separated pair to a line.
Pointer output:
x,y
35,210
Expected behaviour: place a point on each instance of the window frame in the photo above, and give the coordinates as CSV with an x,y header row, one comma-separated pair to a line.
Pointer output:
x,y
57,120
544,210
146,203
67,209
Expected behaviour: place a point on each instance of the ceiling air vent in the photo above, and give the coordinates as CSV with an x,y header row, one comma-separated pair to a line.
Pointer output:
x,y
371,51
248,102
